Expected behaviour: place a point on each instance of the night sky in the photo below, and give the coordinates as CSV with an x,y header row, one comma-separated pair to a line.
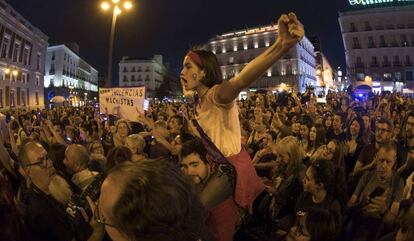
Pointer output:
x,y
170,27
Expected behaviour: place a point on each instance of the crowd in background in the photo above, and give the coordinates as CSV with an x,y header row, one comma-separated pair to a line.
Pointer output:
x,y
340,170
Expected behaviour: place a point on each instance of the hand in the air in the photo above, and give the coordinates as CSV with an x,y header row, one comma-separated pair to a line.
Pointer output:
x,y
291,31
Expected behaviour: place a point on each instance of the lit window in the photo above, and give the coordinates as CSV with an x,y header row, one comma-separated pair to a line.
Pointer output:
x,y
269,73
245,46
235,47
256,44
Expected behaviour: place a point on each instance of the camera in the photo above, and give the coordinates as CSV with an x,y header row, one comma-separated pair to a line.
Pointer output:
x,y
78,202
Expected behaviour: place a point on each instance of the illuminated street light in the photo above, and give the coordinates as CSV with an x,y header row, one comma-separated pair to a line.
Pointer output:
x,y
105,6
116,7
7,71
127,5
15,72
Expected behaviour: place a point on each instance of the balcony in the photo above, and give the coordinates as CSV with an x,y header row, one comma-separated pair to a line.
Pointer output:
x,y
408,63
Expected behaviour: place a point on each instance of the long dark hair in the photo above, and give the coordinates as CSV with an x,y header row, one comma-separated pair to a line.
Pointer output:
x,y
361,129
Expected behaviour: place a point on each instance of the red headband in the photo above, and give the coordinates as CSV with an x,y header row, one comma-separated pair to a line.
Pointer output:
x,y
195,58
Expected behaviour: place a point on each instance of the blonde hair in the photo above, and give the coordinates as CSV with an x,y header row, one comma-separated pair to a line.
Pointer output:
x,y
126,122
292,147
138,143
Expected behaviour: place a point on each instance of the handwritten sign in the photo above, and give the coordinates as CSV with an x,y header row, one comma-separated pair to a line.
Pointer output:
x,y
122,102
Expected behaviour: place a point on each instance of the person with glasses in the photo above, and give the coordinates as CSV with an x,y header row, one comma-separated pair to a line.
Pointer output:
x,y
147,201
45,216
376,191
406,149
383,134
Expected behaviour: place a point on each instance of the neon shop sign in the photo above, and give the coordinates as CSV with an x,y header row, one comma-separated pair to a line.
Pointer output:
x,y
374,2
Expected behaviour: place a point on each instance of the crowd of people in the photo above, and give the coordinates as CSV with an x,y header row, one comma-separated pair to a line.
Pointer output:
x,y
274,166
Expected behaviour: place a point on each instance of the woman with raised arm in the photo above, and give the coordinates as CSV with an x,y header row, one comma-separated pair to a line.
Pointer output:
x,y
217,117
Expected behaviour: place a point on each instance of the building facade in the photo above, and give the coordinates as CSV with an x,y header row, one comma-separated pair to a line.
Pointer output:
x,y
294,71
142,72
22,58
68,75
379,46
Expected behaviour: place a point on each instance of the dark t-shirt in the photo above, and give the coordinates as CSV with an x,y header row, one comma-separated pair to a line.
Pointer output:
x,y
305,203
330,135
367,154
48,220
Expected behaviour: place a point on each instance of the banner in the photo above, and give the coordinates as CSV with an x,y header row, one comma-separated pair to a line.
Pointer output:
x,y
122,102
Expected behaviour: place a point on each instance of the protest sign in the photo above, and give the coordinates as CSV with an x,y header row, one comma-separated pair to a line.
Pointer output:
x,y
122,102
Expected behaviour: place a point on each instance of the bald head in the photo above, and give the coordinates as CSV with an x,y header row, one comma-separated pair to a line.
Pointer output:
x,y
76,158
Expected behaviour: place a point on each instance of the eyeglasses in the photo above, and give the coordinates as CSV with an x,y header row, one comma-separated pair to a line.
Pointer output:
x,y
42,162
98,219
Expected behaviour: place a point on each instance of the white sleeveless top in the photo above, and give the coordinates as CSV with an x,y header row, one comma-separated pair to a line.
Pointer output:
x,y
221,123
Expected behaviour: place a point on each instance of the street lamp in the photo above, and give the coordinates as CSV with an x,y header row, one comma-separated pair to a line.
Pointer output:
x,y
116,6
12,72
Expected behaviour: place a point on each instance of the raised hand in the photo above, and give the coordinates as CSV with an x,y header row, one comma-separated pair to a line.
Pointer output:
x,y
291,31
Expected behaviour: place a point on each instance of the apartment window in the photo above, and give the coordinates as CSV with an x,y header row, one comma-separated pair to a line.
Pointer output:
x,y
5,46
38,81
18,96
352,27
23,98
407,60
355,43
133,78
26,54
38,61
409,75
125,79
404,41
53,56
397,61
12,104
231,60
16,51
387,75
37,98
371,43
139,69
133,69
386,63
24,78
397,76
374,61
383,44
52,70
125,69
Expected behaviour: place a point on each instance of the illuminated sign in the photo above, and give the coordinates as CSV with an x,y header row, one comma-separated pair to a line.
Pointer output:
x,y
373,2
